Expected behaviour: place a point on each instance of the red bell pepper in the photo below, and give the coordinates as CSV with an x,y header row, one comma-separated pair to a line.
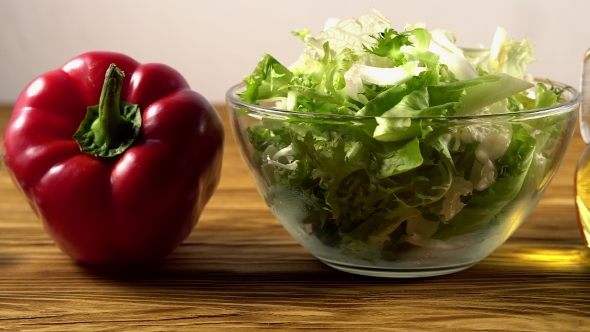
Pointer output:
x,y
124,181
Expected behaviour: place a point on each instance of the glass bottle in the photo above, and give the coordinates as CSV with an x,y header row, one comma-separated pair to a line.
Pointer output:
x,y
582,180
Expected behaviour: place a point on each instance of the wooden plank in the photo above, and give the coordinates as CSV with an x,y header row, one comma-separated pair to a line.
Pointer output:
x,y
240,269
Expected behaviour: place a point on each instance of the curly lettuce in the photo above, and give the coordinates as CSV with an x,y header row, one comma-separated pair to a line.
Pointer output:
x,y
398,177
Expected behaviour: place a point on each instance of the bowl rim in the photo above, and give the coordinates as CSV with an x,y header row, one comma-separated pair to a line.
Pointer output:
x,y
563,107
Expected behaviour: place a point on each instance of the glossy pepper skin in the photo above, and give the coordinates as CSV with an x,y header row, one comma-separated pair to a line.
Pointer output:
x,y
136,207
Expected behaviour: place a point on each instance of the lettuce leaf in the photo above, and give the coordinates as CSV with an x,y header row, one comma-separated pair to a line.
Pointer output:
x,y
483,206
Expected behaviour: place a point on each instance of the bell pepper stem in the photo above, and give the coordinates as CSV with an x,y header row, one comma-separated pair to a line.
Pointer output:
x,y
113,125
110,122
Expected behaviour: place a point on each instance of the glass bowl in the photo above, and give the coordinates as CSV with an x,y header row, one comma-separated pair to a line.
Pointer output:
x,y
436,198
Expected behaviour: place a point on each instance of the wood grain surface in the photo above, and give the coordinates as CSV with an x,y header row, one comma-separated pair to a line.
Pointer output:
x,y
240,270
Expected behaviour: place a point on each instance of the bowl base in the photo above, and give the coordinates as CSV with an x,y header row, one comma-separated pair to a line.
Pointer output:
x,y
396,273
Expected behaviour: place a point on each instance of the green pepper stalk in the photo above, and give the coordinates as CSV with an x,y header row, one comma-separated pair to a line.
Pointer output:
x,y
113,125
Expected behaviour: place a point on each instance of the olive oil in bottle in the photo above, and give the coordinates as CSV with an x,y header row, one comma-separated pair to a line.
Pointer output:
x,y
582,191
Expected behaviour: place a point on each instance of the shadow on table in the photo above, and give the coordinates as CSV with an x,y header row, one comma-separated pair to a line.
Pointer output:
x,y
190,271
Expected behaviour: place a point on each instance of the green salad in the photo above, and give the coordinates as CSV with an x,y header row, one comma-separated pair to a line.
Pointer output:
x,y
401,176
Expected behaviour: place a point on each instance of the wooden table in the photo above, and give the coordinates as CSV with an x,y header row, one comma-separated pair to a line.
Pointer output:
x,y
240,269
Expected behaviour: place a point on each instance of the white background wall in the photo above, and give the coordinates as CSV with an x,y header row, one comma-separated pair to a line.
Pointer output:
x,y
215,43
